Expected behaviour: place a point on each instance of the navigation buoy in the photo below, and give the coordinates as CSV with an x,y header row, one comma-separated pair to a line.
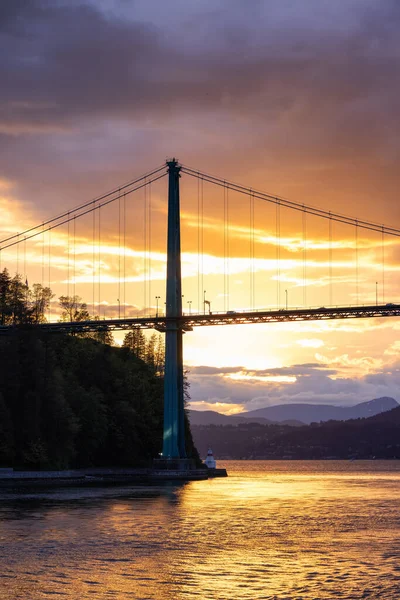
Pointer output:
x,y
210,460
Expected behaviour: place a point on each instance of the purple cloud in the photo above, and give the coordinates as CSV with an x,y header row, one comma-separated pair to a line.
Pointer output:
x,y
313,385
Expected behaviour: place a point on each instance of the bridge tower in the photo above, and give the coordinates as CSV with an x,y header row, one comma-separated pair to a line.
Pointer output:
x,y
174,423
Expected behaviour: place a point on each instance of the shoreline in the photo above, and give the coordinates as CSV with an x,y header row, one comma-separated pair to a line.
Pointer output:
x,y
116,476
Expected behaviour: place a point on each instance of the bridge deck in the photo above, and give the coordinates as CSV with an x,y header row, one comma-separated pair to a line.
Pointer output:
x,y
188,321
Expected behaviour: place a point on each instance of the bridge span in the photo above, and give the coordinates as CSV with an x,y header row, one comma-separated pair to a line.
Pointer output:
x,y
174,322
188,321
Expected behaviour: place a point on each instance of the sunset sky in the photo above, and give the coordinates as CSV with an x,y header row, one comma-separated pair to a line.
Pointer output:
x,y
298,99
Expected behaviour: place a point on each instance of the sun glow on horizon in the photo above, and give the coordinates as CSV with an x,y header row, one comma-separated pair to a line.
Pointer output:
x,y
221,407
262,378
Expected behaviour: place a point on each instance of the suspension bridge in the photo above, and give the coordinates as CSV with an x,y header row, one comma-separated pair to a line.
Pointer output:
x,y
77,251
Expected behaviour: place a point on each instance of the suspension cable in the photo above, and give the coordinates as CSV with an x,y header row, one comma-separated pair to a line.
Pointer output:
x,y
290,204
92,203
89,210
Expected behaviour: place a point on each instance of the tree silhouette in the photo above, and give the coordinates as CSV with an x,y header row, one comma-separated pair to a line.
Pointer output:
x,y
73,309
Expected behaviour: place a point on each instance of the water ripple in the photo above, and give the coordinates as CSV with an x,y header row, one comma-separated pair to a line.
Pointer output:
x,y
272,531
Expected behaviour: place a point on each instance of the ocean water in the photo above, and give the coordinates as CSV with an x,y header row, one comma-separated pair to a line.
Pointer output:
x,y
272,530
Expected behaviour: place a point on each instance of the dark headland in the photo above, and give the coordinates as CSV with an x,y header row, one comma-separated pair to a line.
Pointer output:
x,y
77,410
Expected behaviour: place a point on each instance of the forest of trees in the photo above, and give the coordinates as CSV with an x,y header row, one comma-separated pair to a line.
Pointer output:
x,y
75,400
19,304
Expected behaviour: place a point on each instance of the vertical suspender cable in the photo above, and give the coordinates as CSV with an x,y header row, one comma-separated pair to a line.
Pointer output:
x,y
304,257
17,254
149,222
49,271
99,241
93,257
198,245
74,256
330,263
383,264
43,241
124,253
144,245
251,253
68,258
278,252
202,234
119,255
227,248
25,273
356,262
225,253
254,251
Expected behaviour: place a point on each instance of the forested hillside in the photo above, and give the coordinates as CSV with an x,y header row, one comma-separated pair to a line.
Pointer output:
x,y
374,437
69,401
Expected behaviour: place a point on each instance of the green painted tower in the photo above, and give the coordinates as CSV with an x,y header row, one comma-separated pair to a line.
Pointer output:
x,y
174,423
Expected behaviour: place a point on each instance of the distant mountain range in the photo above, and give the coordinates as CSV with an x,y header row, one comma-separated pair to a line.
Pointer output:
x,y
296,414
211,417
367,438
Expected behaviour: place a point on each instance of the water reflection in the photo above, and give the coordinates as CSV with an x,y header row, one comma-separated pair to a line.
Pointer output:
x,y
271,530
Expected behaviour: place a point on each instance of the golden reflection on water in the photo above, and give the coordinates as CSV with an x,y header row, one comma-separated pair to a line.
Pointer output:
x,y
287,530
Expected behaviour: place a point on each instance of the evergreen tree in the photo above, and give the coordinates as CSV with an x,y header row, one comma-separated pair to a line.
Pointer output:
x,y
135,341
18,298
5,297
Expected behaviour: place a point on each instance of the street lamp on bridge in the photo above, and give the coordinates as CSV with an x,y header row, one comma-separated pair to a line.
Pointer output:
x,y
190,306
286,293
157,299
119,308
